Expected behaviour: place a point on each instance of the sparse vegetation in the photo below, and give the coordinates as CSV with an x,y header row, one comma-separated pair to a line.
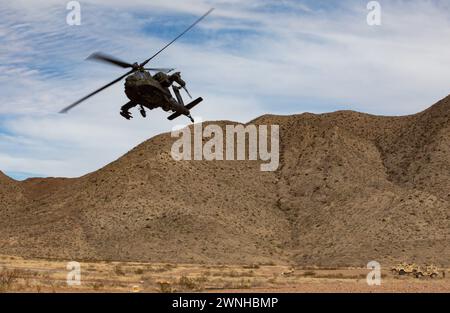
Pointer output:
x,y
268,264
118,270
309,274
97,286
8,278
335,275
170,266
48,276
161,268
191,284
235,273
244,284
165,287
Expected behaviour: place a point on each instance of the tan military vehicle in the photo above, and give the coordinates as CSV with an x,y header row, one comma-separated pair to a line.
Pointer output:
x,y
427,271
405,269
415,270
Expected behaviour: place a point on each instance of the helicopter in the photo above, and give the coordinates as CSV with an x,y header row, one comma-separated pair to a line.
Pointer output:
x,y
146,90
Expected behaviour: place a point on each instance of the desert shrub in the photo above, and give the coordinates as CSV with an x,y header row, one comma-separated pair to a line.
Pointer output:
x,y
97,286
232,273
7,279
244,284
118,270
335,275
165,287
170,266
187,283
309,274
194,284
206,274
271,263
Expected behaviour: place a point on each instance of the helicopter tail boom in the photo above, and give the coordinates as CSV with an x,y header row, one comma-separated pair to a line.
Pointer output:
x,y
188,107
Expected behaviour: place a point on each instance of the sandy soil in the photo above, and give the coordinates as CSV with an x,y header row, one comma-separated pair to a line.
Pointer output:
x,y
20,275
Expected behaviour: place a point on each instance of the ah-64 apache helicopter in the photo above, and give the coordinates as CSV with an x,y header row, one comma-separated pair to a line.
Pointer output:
x,y
146,90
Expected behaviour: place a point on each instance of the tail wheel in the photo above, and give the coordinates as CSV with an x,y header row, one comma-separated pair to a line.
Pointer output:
x,y
142,111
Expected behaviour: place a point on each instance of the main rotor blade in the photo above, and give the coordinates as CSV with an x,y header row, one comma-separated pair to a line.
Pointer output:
x,y
65,110
187,29
164,70
98,56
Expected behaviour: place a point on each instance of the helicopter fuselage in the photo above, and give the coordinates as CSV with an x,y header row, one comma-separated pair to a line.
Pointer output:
x,y
141,88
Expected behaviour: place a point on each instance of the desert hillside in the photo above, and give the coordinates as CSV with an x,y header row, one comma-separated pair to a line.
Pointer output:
x,y
350,188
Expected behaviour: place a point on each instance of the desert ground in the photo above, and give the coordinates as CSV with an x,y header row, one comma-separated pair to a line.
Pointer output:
x,y
28,275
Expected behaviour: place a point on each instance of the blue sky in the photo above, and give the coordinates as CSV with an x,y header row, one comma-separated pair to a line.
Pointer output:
x,y
246,59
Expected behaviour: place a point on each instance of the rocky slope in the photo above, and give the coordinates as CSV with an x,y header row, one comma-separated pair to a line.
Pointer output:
x,y
350,188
